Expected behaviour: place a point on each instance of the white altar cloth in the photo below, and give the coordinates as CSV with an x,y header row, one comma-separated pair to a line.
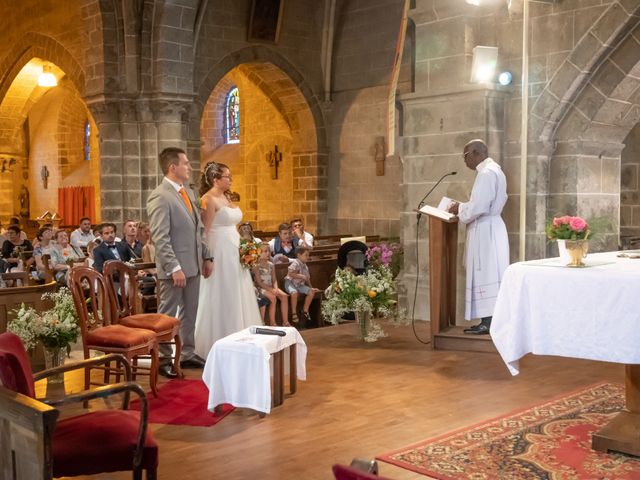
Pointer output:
x,y
237,369
548,309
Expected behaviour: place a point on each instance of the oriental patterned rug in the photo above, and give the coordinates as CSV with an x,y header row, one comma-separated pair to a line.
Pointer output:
x,y
548,441
182,402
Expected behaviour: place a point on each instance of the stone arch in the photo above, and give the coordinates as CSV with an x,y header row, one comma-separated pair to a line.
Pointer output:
x,y
574,74
291,96
577,124
41,46
291,104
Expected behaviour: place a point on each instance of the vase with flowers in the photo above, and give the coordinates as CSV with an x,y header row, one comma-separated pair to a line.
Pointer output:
x,y
56,329
370,296
572,235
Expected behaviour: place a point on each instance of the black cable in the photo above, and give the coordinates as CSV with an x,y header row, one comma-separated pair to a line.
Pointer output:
x,y
415,291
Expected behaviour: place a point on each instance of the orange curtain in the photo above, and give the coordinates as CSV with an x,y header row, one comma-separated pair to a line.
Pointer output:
x,y
75,203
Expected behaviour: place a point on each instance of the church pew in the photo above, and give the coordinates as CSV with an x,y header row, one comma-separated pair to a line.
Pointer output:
x,y
322,272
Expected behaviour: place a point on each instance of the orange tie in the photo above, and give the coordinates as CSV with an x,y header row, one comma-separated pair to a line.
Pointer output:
x,y
185,199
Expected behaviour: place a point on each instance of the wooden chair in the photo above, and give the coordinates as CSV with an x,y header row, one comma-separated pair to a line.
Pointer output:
x,y
94,306
36,445
166,328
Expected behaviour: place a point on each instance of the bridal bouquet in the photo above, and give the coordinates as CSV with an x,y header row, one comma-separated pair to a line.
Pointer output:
x,y
249,253
568,228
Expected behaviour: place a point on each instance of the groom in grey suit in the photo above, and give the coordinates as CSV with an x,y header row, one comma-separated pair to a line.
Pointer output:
x,y
181,253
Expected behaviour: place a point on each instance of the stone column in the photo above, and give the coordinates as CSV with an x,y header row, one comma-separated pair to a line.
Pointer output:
x,y
106,113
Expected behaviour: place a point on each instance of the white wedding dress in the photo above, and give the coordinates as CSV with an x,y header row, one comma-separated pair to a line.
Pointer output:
x,y
227,301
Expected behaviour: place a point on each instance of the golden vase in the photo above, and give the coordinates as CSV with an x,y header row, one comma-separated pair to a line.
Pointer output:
x,y
577,250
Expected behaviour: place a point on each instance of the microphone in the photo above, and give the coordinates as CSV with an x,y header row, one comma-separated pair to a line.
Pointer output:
x,y
267,331
421,204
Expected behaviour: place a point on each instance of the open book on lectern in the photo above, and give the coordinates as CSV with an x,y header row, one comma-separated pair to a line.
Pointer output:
x,y
439,211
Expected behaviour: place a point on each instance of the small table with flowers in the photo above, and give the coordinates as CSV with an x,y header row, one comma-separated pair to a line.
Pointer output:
x,y
546,308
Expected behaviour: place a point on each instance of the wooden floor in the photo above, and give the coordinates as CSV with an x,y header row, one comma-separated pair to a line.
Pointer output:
x,y
365,399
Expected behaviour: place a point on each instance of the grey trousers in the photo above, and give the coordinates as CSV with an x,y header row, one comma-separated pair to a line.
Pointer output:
x,y
181,303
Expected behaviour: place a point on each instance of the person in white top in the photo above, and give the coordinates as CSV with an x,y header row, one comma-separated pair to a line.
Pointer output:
x,y
82,235
297,228
487,249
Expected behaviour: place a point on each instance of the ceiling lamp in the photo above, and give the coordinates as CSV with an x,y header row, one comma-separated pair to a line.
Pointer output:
x,y
46,78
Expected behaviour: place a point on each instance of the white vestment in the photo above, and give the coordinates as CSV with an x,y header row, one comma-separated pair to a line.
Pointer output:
x,y
487,249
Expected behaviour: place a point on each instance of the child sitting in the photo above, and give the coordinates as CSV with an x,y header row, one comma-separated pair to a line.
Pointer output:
x,y
298,281
264,274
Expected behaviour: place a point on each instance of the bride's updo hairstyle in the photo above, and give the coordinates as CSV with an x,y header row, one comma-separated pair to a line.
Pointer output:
x,y
212,170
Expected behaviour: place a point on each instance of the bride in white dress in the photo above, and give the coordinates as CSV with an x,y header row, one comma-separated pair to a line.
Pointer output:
x,y
227,301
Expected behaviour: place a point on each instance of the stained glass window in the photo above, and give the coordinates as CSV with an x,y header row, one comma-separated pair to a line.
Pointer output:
x,y
232,117
87,145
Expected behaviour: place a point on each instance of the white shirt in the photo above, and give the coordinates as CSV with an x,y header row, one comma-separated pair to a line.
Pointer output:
x,y
81,239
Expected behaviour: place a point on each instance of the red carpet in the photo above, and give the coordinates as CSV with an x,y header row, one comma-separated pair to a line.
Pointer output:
x,y
182,402
548,441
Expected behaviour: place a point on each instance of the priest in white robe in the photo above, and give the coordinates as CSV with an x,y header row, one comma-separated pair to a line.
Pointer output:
x,y
487,249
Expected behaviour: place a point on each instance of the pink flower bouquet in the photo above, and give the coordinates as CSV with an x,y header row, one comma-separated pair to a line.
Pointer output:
x,y
568,228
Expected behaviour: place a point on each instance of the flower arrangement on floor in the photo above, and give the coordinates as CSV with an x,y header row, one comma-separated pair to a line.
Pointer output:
x,y
568,228
249,253
55,328
370,295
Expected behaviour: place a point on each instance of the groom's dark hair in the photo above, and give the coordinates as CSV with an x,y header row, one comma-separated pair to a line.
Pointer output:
x,y
170,156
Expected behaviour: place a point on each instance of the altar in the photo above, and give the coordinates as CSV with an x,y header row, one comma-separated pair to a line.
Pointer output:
x,y
592,313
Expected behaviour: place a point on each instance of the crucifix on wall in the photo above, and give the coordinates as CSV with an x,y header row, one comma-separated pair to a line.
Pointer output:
x,y
44,174
274,158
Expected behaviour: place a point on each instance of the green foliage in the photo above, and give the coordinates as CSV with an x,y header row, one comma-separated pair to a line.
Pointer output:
x,y
57,327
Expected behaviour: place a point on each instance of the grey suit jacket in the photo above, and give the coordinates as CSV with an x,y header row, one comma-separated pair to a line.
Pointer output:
x,y
177,234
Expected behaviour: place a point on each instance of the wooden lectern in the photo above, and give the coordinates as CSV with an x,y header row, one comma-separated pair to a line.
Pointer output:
x,y
443,250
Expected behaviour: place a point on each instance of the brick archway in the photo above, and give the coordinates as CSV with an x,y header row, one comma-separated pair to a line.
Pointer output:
x,y
299,106
41,46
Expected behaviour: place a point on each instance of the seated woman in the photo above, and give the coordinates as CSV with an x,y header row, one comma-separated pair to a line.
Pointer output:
x,y
13,246
64,256
246,231
43,237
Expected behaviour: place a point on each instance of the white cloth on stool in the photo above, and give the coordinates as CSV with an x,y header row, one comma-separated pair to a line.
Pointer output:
x,y
237,369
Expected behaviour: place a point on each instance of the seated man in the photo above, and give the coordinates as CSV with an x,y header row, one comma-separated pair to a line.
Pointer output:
x,y
81,236
109,249
305,238
283,246
131,238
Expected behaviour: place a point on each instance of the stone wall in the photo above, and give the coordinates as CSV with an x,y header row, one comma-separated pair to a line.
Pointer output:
x,y
630,185
57,127
364,49
583,85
